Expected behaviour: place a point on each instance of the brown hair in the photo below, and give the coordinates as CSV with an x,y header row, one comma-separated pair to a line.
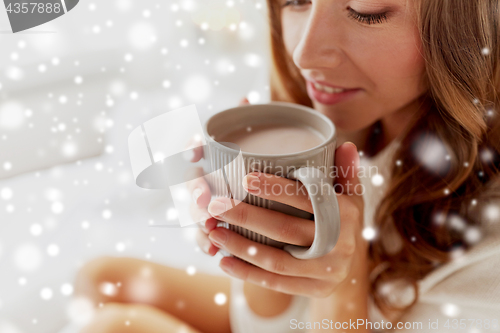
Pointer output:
x,y
461,48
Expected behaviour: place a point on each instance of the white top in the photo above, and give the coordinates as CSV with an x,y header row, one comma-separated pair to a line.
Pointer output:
x,y
466,288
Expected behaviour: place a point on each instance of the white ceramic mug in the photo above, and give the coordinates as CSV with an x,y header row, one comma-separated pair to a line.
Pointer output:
x,y
307,166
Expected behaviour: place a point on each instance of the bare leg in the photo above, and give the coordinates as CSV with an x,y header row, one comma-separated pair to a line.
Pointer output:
x,y
190,298
135,318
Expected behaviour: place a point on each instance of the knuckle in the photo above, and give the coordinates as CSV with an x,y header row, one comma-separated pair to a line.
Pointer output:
x,y
278,266
271,283
236,248
302,189
241,212
287,231
244,274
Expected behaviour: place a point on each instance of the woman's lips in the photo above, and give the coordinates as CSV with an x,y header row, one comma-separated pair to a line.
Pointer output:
x,y
327,98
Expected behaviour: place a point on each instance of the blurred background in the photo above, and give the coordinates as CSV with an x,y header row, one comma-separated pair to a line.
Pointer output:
x,y
71,91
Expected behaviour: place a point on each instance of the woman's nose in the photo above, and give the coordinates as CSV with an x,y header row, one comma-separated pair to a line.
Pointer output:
x,y
320,44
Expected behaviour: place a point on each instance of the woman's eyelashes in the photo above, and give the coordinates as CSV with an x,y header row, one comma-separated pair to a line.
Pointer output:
x,y
367,18
295,3
363,18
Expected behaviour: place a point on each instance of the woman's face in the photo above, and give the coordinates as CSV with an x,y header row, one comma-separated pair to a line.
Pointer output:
x,y
379,57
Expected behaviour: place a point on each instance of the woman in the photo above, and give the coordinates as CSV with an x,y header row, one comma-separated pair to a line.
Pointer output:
x,y
422,80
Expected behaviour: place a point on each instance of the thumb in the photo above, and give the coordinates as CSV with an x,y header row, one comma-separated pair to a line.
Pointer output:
x,y
347,165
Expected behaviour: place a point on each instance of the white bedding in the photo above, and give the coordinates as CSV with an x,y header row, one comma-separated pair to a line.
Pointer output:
x,y
88,191
56,218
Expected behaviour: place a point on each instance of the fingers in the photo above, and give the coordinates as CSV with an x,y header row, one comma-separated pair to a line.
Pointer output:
x,y
264,256
205,244
201,195
275,225
347,162
211,224
272,187
198,187
206,224
333,266
286,284
199,215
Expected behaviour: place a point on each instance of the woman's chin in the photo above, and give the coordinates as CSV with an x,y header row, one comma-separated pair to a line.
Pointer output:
x,y
344,120
351,124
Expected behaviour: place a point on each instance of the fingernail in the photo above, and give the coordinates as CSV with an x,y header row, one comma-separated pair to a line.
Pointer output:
x,y
217,208
352,144
218,237
226,266
196,194
251,182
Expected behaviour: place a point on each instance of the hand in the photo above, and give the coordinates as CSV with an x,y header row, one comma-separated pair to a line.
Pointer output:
x,y
200,192
274,268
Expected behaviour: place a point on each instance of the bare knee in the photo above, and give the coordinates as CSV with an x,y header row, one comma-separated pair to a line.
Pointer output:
x,y
111,318
99,279
134,318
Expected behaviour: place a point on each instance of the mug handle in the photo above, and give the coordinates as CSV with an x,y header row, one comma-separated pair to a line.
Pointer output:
x,y
326,214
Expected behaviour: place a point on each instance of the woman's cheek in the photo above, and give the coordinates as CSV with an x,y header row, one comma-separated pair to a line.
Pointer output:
x,y
395,66
293,26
